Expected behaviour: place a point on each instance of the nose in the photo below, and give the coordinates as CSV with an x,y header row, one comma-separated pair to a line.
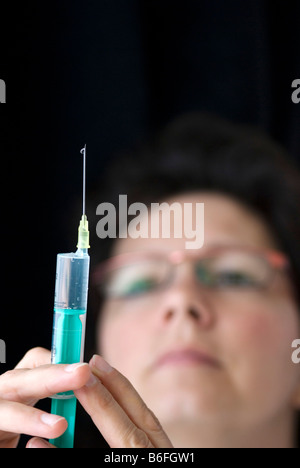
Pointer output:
x,y
187,301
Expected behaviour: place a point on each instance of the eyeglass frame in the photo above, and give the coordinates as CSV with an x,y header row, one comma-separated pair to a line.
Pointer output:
x,y
277,260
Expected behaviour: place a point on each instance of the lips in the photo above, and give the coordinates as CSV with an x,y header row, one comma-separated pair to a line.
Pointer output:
x,y
187,357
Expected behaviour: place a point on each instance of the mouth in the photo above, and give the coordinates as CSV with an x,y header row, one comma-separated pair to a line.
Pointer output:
x,y
187,357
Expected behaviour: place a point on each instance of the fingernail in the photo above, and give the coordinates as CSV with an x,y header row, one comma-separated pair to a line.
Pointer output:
x,y
50,419
101,364
38,443
92,381
73,367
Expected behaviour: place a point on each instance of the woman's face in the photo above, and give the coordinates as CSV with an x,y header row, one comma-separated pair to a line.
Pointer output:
x,y
230,353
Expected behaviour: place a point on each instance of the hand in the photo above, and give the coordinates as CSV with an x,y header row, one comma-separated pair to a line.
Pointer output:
x,y
118,411
20,389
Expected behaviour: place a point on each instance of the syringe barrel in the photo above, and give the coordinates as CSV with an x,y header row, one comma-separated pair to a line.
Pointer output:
x,y
70,305
72,276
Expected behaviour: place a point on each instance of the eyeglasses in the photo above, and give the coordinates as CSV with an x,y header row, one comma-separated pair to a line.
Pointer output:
x,y
133,275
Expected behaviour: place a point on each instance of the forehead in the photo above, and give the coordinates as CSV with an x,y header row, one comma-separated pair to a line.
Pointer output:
x,y
226,221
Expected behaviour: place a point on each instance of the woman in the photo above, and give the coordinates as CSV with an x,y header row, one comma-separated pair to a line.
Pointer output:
x,y
199,339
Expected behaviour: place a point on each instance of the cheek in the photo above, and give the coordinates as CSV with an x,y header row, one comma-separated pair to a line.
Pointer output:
x,y
256,332
266,329
259,341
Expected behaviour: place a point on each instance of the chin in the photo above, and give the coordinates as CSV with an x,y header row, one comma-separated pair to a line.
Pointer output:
x,y
184,403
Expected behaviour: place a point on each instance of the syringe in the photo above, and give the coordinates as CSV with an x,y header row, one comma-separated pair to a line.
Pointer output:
x,y
70,306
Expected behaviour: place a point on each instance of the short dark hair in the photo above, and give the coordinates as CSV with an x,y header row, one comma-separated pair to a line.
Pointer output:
x,y
203,152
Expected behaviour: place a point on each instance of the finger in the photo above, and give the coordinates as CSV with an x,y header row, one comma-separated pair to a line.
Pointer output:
x,y
36,442
111,420
122,395
22,419
30,385
34,358
129,399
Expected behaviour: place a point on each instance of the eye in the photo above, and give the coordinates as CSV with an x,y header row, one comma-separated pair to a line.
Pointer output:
x,y
139,286
232,271
235,279
225,278
135,279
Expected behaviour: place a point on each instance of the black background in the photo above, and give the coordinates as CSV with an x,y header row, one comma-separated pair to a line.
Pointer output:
x,y
107,73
